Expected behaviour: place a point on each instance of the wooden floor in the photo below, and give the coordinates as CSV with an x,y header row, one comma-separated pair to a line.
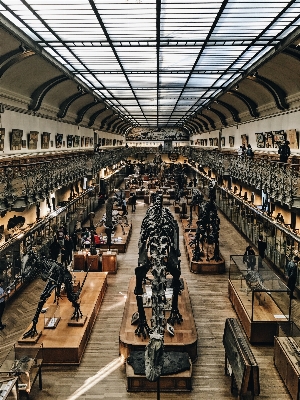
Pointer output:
x,y
101,374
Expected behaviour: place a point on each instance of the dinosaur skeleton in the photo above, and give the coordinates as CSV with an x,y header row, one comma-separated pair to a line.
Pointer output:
x,y
55,274
158,252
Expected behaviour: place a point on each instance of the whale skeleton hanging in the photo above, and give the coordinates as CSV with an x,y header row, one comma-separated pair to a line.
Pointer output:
x,y
159,253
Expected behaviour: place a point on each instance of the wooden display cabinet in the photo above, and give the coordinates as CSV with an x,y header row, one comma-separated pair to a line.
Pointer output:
x,y
260,299
92,262
109,262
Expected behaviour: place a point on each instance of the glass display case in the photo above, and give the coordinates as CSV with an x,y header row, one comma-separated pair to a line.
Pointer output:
x,y
25,364
8,387
287,357
259,297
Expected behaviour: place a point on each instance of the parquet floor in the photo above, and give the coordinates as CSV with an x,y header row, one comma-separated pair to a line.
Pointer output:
x,y
101,374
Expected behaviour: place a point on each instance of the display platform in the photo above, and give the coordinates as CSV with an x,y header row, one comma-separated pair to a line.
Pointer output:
x,y
204,266
181,382
119,240
66,343
184,340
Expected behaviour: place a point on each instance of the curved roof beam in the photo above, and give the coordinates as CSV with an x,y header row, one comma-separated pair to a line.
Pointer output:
x,y
122,127
203,122
8,55
63,108
39,93
116,124
252,106
276,91
292,51
12,60
110,123
83,110
106,119
210,121
95,115
233,111
219,114
196,121
190,127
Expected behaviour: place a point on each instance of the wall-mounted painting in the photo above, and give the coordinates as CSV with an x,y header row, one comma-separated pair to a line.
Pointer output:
x,y
215,141
16,139
2,135
91,141
205,142
82,141
103,141
244,140
45,140
69,141
87,141
269,139
76,141
59,140
260,140
211,141
231,141
33,137
279,138
292,137
223,141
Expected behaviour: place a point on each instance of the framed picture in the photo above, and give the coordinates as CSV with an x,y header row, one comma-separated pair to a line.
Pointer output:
x,y
231,141
2,135
279,138
87,141
59,140
211,141
244,140
33,137
82,141
76,141
69,141
24,144
260,140
269,139
215,141
91,141
16,139
103,141
223,141
45,137
292,137
205,142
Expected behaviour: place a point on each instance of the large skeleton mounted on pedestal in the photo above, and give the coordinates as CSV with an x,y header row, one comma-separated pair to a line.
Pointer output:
x,y
159,253
56,275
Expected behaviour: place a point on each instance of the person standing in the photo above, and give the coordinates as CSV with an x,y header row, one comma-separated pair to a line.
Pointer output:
x,y
262,246
284,152
124,207
3,294
292,272
133,202
54,249
249,258
69,248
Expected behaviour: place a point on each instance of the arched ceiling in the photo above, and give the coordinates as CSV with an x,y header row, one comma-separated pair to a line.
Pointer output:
x,y
116,64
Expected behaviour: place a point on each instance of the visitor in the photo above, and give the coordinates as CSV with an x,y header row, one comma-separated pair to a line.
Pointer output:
x,y
133,202
262,246
54,249
249,258
284,152
291,272
249,151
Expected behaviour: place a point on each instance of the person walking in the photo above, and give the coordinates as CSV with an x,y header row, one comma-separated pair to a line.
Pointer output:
x,y
292,272
249,258
262,246
3,294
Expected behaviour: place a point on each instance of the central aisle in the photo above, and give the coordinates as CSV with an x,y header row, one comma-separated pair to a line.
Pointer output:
x,y
101,375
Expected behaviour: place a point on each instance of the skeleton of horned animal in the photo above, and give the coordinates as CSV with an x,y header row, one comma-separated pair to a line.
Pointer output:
x,y
158,252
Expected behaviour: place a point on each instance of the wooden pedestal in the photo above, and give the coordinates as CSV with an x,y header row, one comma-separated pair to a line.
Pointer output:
x,y
181,382
109,262
287,364
92,262
79,262
65,344
184,340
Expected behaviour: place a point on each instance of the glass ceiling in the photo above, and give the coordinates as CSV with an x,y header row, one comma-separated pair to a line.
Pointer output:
x,y
156,62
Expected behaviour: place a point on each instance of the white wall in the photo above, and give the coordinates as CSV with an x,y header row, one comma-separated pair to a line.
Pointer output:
x,y
284,121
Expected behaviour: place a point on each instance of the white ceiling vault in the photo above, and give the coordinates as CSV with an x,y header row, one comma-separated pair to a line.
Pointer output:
x,y
190,65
